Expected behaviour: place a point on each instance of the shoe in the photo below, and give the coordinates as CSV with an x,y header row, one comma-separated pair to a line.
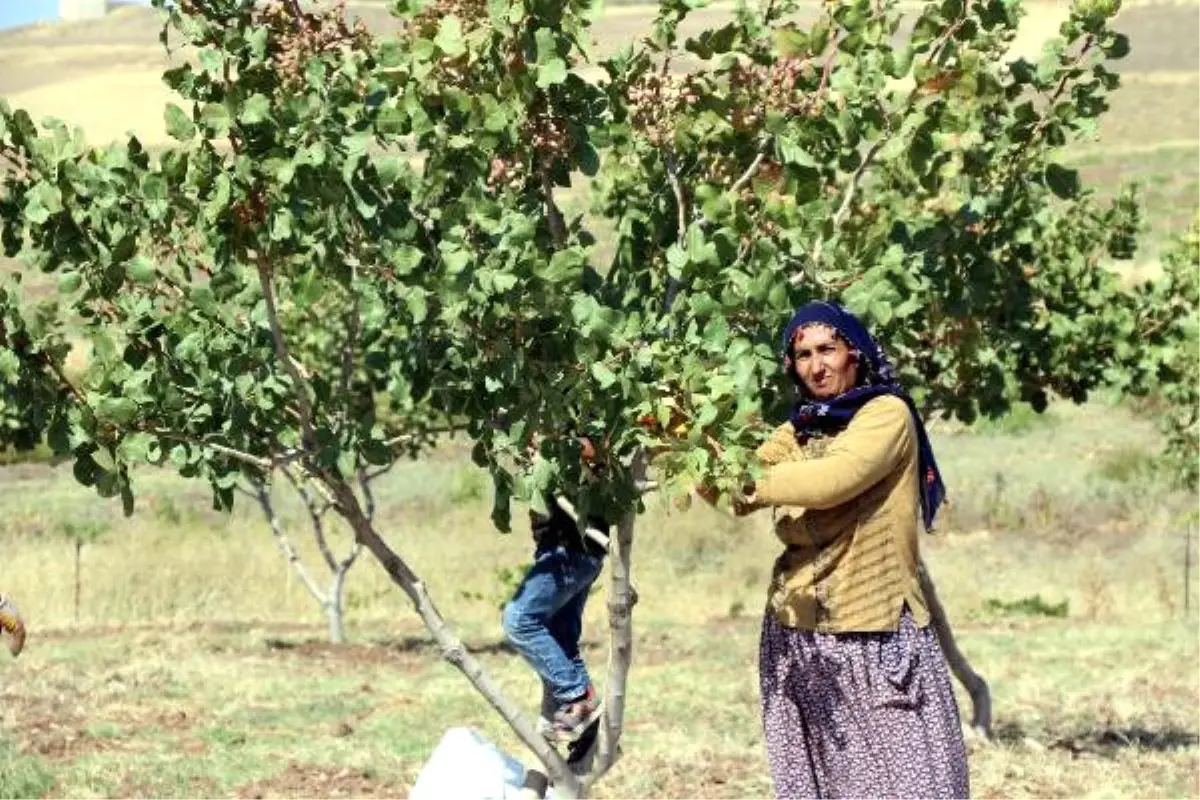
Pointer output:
x,y
572,720
581,753
11,622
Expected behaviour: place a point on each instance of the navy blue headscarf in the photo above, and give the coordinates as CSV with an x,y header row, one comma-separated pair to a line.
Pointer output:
x,y
876,377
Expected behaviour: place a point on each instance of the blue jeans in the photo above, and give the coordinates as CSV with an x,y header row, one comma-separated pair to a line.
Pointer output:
x,y
544,619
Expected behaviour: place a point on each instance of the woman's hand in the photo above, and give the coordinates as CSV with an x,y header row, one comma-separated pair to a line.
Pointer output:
x,y
708,493
745,503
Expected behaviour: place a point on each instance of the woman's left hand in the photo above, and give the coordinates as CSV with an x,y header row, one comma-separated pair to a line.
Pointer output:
x,y
745,503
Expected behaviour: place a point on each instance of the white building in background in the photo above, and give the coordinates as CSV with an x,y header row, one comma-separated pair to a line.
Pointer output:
x,y
82,9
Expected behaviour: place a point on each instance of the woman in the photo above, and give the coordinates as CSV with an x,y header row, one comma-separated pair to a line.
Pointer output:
x,y
856,696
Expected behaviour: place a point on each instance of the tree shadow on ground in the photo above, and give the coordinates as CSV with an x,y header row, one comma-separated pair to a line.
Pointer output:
x,y
1103,740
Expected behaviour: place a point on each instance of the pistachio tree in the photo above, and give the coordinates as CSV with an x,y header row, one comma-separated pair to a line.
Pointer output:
x,y
356,241
1158,356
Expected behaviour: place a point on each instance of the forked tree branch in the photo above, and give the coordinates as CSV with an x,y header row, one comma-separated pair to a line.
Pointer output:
x,y
681,215
976,686
263,493
316,515
299,383
452,648
621,599
843,210
263,464
759,157
57,369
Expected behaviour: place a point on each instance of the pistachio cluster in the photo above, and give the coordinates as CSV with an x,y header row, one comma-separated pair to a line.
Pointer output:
x,y
471,14
547,138
656,100
298,35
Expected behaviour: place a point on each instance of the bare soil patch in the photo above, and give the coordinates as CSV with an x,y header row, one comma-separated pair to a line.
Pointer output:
x,y
311,780
706,775
1161,37
197,786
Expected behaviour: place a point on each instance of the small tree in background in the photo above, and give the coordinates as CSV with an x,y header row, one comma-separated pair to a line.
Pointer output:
x,y
358,241
81,533
331,599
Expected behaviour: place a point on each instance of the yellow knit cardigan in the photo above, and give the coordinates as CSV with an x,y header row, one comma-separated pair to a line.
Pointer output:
x,y
848,510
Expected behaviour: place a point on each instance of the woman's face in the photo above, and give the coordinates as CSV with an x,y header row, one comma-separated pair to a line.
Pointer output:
x,y
824,362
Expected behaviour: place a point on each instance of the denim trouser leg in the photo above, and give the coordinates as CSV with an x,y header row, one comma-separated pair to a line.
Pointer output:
x,y
567,629
544,618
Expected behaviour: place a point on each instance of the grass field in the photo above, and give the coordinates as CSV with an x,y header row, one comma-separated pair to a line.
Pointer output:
x,y
197,664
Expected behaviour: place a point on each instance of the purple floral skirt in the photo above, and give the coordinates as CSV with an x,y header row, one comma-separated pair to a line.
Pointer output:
x,y
860,714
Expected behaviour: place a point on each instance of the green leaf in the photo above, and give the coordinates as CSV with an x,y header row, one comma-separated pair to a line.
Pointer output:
x,y
69,282
552,72
417,305
449,37
455,258
180,456
406,258
154,187
42,201
603,375
141,270
391,121
119,410
214,118
546,42
1118,47
588,158
1062,181
281,225
179,123
135,447
256,109
793,153
211,59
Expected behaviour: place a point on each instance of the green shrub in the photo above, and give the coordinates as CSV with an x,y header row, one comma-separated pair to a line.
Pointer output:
x,y
1033,606
1129,465
38,455
1021,419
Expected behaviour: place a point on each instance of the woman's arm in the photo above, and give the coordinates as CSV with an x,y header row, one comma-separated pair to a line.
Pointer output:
x,y
878,437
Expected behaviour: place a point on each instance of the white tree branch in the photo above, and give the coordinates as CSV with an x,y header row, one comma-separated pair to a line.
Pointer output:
x,y
587,530
317,517
621,599
299,381
843,210
755,165
681,215
976,686
263,493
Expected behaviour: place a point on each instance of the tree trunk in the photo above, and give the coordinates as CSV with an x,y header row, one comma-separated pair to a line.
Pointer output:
x,y
976,686
566,783
621,599
78,579
335,606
